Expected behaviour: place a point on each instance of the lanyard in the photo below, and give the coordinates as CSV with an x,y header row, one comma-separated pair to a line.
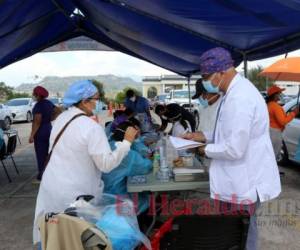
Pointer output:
x,y
217,118
218,112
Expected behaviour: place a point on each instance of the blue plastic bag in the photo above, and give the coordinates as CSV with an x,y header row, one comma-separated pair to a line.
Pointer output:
x,y
122,230
116,217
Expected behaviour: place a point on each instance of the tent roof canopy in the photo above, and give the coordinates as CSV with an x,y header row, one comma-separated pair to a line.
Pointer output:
x,y
171,34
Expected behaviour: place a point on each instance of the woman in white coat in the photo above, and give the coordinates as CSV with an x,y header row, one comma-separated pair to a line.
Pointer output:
x,y
80,155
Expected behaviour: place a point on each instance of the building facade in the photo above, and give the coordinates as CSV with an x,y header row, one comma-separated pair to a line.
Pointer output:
x,y
164,83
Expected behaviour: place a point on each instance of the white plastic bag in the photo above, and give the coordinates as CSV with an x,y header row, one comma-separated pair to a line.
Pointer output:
x,y
116,217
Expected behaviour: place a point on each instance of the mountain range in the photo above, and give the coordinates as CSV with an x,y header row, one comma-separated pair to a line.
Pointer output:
x,y
58,85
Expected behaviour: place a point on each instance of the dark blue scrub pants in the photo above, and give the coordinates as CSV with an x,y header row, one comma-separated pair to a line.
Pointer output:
x,y
41,146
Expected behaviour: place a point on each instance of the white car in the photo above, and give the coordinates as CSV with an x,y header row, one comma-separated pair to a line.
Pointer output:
x,y
6,117
291,136
21,109
57,101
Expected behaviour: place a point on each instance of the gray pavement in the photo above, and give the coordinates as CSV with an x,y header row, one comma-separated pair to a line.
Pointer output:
x,y
17,199
278,221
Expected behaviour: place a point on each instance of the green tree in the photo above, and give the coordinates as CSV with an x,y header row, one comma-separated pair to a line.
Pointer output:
x,y
260,82
121,96
18,95
99,86
7,93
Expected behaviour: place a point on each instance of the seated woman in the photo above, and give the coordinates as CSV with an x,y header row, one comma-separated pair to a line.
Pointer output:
x,y
180,125
139,143
133,164
121,117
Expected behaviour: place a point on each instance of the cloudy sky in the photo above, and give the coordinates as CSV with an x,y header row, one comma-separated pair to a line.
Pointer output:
x,y
88,63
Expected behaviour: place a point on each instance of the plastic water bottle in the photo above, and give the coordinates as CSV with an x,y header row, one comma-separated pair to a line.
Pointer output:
x,y
163,153
156,159
164,171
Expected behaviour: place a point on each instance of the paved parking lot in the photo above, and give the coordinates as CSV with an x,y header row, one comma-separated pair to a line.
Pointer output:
x,y
278,221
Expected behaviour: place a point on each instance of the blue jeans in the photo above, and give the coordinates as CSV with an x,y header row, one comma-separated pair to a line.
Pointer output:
x,y
39,246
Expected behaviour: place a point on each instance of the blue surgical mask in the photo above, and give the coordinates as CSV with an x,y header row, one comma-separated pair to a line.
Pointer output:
x,y
203,102
209,87
98,109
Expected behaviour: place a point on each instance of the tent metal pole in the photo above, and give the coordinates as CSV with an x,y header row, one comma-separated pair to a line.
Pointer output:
x,y
298,96
189,90
245,65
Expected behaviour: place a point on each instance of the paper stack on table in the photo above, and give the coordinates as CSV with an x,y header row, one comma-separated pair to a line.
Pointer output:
x,y
189,174
179,143
188,170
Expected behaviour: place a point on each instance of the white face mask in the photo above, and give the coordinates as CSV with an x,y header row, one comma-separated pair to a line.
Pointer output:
x,y
132,99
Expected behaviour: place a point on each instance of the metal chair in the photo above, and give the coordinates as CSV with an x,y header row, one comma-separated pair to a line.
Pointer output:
x,y
2,157
12,131
8,152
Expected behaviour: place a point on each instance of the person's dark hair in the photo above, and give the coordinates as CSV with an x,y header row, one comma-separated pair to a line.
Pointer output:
x,y
118,134
77,104
271,98
130,93
107,123
135,122
128,112
159,108
174,114
117,113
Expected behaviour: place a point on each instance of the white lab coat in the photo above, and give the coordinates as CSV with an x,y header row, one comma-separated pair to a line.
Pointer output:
x,y
208,116
243,161
77,161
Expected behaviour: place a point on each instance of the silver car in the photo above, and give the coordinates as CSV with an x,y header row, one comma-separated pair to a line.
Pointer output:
x,y
6,117
291,135
21,108
57,101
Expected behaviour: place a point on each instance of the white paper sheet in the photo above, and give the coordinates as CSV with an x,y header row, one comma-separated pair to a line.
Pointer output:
x,y
179,143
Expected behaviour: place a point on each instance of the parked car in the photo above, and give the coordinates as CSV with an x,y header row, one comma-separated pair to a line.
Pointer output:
x,y
286,98
160,99
264,94
6,117
57,101
291,135
157,100
283,98
21,109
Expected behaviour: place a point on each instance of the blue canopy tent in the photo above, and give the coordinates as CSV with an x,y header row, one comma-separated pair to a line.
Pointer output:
x,y
171,34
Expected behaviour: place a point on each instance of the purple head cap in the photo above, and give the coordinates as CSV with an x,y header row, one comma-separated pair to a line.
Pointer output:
x,y
215,60
119,119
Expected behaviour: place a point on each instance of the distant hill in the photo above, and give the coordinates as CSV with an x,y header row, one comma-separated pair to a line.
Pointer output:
x,y
58,85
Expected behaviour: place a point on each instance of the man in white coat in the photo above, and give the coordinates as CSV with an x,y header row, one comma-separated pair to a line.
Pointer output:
x,y
243,169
